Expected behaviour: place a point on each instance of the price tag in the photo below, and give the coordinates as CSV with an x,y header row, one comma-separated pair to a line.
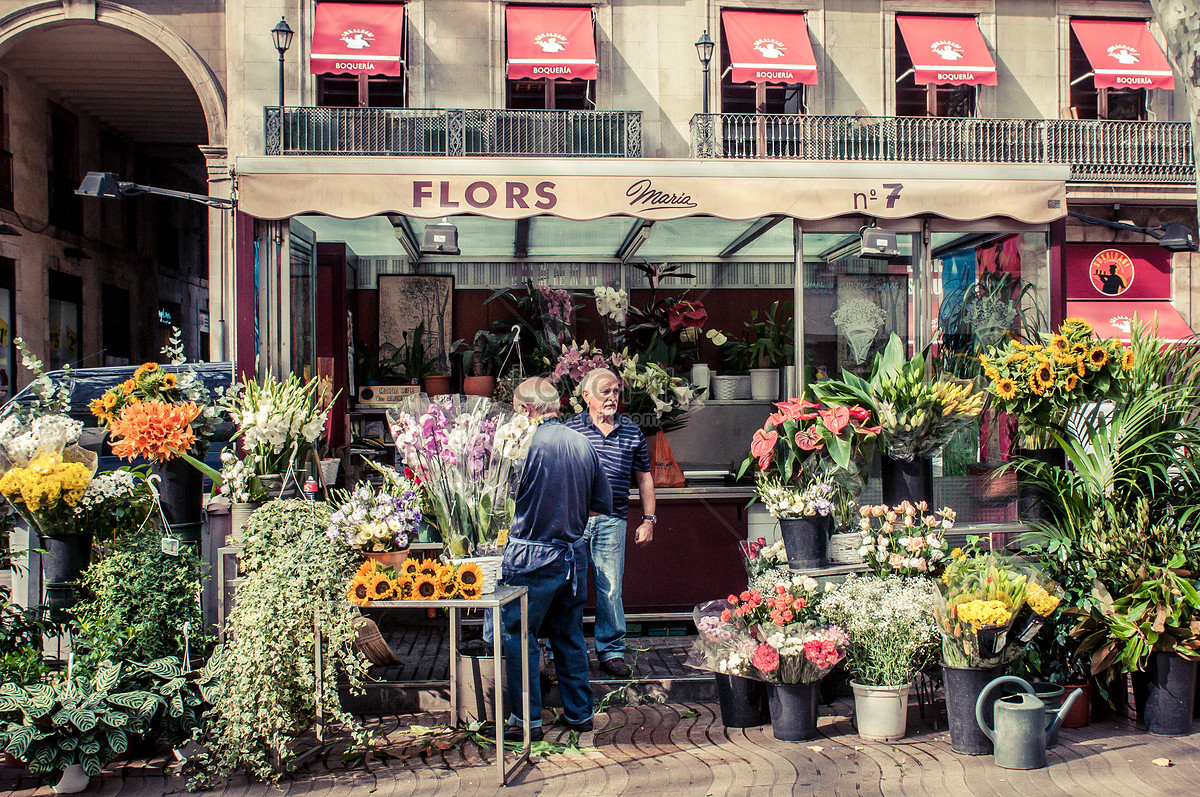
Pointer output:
x,y
170,546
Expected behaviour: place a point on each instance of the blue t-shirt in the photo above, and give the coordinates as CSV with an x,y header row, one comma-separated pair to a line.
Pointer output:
x,y
561,483
622,451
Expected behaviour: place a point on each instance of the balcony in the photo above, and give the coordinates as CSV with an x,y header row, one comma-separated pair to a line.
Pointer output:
x,y
1096,151
453,132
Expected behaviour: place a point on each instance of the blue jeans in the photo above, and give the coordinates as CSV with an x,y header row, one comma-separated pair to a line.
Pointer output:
x,y
605,535
555,613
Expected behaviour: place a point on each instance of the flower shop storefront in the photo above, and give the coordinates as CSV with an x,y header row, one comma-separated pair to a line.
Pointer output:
x,y
973,256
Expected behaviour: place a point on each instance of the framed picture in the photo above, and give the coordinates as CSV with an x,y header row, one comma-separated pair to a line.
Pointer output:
x,y
406,300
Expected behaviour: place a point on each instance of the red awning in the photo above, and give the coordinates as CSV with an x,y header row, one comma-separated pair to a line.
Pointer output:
x,y
1123,54
769,47
1112,319
555,43
357,39
947,50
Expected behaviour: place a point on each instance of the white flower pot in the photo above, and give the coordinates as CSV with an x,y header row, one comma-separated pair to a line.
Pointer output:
x,y
724,387
490,565
73,780
743,390
764,384
700,378
881,712
843,548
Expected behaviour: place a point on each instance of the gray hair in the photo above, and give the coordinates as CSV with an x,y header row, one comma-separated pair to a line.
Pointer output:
x,y
538,393
595,375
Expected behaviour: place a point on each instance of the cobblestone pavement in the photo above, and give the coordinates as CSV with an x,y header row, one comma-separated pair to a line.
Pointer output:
x,y
682,749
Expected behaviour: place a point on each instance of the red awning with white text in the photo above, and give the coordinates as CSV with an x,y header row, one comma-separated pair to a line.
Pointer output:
x,y
357,39
947,50
1123,54
554,43
769,47
1113,319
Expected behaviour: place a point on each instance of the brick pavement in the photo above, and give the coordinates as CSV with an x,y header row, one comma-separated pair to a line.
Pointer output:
x,y
682,749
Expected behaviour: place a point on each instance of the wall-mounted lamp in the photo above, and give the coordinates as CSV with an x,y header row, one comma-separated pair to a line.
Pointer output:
x,y
108,185
1172,235
440,239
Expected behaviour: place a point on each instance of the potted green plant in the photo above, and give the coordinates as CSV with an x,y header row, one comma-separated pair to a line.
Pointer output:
x,y
418,366
481,362
71,728
893,636
770,343
734,380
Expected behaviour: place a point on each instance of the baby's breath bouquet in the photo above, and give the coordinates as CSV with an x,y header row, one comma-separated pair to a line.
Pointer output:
x,y
890,621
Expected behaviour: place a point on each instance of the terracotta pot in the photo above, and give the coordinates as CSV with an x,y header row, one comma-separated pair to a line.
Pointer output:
x,y
388,558
437,385
1077,715
479,385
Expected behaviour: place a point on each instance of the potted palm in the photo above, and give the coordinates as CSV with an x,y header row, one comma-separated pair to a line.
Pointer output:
x,y
893,636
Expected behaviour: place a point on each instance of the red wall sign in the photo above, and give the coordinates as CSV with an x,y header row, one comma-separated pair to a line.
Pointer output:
x,y
1117,271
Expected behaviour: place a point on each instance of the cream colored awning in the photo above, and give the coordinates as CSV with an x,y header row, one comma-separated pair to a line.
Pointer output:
x,y
513,188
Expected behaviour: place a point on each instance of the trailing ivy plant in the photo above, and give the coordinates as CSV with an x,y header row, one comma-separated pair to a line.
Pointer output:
x,y
74,721
266,695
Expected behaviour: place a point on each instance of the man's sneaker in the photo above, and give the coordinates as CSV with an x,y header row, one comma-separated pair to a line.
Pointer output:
x,y
581,727
516,733
617,668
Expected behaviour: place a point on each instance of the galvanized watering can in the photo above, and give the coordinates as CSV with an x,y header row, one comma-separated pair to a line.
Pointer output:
x,y
1021,735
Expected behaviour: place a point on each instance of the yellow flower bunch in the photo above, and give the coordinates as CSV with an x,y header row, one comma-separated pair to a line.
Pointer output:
x,y
1041,601
1041,383
46,483
148,383
982,614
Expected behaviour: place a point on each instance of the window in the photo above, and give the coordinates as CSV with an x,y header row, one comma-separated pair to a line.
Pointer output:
x,y
361,91
1089,102
65,319
114,323
927,99
551,95
8,352
6,173
765,98
65,210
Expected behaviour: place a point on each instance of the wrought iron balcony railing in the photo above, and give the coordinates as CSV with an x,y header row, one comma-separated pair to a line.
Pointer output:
x,y
1097,151
464,132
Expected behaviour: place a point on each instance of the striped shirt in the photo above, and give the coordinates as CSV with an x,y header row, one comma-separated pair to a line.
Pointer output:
x,y
622,451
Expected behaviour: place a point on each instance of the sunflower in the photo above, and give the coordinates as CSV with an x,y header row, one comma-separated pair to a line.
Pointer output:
x,y
446,576
1064,358
145,368
1078,349
403,585
470,578
360,592
1035,385
109,399
468,593
1081,367
97,407
1078,323
1072,382
1097,358
1058,343
1045,375
1017,357
430,567
426,588
411,566
1127,360
380,587
169,380
128,387
1006,389
991,373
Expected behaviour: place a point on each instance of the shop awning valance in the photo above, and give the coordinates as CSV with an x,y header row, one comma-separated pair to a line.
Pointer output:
x,y
357,39
1112,319
769,47
1123,54
947,50
514,188
555,43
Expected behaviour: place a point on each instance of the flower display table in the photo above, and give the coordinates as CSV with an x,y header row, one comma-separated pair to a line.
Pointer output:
x,y
495,601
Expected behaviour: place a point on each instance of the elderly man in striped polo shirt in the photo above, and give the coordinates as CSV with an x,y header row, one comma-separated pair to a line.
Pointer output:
x,y
624,456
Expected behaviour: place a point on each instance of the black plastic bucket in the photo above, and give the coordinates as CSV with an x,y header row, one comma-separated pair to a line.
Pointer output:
x,y
963,687
743,701
794,711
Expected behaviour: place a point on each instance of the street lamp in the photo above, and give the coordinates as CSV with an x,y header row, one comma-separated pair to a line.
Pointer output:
x,y
1172,236
107,184
704,51
282,35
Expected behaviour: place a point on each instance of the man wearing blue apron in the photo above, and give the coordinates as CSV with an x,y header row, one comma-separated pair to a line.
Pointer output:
x,y
562,484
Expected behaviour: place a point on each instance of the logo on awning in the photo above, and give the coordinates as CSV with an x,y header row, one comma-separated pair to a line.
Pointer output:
x,y
947,50
1111,271
357,38
1121,322
1124,54
551,42
770,48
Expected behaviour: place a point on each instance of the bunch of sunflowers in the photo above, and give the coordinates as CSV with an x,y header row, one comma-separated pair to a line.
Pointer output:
x,y
415,580
148,383
1041,383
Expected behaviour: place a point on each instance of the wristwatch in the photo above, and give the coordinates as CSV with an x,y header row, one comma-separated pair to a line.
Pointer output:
x,y
651,518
